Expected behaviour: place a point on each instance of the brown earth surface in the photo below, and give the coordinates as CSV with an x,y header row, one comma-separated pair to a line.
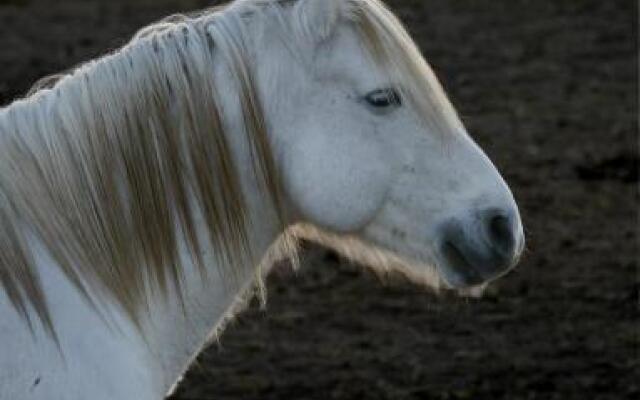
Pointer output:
x,y
548,88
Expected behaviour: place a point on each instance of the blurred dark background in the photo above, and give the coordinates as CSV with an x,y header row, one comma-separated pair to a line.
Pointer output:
x,y
549,89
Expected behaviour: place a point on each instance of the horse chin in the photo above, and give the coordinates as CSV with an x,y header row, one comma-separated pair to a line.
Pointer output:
x,y
386,264
453,282
474,292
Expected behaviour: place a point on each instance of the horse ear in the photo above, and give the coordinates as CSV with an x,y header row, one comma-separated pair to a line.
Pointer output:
x,y
316,19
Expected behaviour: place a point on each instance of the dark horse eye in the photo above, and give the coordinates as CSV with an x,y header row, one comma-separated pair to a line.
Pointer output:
x,y
383,98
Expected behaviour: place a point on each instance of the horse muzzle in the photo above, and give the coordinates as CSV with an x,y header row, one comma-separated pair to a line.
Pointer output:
x,y
480,249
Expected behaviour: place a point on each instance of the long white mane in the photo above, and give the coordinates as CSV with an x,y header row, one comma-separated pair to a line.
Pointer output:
x,y
110,166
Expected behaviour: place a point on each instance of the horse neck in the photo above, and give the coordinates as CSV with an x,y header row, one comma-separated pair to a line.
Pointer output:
x,y
177,325
173,332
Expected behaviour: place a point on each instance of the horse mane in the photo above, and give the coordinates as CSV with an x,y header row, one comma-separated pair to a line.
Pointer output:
x,y
110,166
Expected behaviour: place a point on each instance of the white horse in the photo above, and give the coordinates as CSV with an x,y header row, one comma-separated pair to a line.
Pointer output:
x,y
144,195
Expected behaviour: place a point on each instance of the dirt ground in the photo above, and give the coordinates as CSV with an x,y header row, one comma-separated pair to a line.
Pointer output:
x,y
548,88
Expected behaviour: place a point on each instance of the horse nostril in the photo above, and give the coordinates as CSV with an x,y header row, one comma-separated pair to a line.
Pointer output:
x,y
478,249
501,233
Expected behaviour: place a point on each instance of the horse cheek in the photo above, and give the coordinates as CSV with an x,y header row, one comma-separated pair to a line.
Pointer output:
x,y
337,181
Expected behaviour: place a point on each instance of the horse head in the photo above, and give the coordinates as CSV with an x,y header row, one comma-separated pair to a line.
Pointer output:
x,y
372,151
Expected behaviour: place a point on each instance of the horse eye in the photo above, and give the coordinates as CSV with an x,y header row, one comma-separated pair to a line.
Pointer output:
x,y
383,98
